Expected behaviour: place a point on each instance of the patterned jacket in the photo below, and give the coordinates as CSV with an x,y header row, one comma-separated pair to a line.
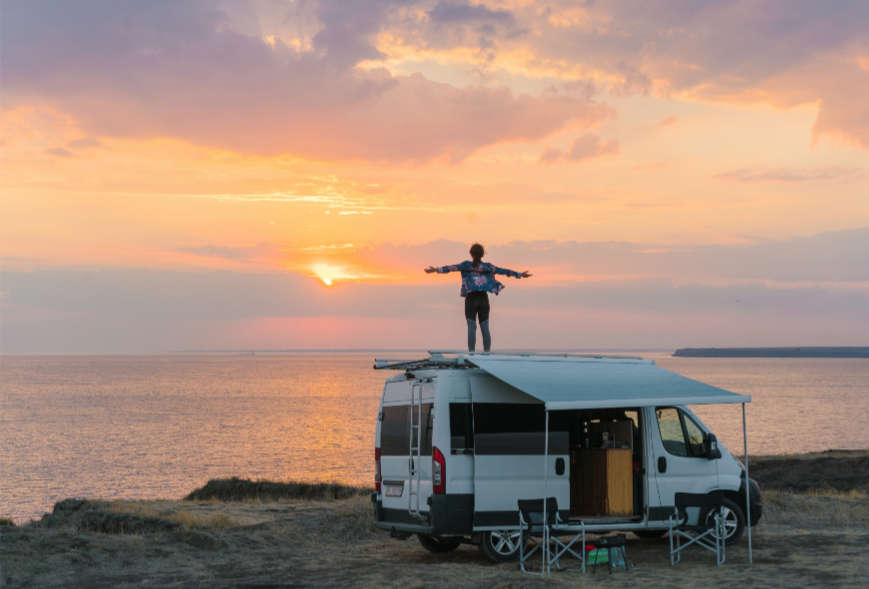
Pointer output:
x,y
481,278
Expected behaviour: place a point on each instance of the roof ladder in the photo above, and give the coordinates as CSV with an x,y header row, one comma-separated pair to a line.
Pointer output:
x,y
415,459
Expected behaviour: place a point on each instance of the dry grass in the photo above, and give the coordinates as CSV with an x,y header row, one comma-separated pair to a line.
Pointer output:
x,y
809,456
7,521
839,470
316,538
852,494
187,519
820,508
130,517
334,543
236,489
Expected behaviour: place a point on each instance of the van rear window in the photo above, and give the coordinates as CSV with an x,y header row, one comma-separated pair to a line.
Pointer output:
x,y
395,430
518,429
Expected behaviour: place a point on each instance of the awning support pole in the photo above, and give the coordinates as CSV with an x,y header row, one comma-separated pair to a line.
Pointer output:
x,y
546,569
747,497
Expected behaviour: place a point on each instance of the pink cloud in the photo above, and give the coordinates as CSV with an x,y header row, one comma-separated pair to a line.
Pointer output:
x,y
590,146
796,174
121,71
551,155
783,53
586,147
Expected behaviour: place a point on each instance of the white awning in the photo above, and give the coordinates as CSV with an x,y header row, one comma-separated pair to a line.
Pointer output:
x,y
591,383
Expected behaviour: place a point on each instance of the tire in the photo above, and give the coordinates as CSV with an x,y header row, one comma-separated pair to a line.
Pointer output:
x,y
437,545
734,521
649,534
500,545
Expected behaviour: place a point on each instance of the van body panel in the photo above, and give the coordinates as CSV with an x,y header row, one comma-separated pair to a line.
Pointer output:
x,y
500,481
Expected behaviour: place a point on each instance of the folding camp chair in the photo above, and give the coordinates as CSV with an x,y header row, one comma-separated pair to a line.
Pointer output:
x,y
532,530
708,532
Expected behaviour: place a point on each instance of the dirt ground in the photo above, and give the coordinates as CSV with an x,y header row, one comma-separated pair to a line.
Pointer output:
x,y
815,539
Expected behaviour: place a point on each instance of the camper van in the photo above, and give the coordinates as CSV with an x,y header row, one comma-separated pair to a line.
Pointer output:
x,y
461,437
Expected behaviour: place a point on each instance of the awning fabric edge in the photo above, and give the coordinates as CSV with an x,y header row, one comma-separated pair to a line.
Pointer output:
x,y
618,403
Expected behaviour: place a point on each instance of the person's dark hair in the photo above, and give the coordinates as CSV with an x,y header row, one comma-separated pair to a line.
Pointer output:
x,y
477,253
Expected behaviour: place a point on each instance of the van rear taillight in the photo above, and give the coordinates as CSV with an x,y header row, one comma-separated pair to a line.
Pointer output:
x,y
377,477
438,472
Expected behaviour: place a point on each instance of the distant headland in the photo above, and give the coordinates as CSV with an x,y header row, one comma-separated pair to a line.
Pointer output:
x,y
801,352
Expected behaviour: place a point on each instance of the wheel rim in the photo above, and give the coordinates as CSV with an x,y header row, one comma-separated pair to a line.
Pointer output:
x,y
505,542
731,523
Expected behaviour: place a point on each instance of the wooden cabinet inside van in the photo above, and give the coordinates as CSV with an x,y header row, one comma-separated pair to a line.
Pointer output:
x,y
601,482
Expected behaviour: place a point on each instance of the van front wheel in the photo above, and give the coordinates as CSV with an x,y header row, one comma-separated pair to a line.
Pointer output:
x,y
437,545
734,521
501,545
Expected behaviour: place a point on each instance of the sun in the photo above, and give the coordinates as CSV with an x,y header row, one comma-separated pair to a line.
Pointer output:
x,y
329,274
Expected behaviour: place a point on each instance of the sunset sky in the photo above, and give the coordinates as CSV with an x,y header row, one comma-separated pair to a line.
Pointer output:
x,y
277,174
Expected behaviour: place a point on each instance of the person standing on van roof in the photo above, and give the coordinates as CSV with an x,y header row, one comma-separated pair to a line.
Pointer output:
x,y
478,279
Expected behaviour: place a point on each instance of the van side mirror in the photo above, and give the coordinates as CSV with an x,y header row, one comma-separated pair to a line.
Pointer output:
x,y
710,445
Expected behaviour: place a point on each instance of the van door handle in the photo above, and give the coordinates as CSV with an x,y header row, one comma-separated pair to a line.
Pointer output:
x,y
662,464
559,466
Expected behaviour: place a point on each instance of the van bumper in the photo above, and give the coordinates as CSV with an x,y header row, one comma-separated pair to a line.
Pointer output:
x,y
399,520
404,528
450,514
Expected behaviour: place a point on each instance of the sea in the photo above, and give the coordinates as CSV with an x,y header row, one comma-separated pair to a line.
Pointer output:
x,y
160,426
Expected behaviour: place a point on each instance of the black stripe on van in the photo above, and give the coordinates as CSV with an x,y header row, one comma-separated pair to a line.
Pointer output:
x,y
518,429
661,513
402,516
521,444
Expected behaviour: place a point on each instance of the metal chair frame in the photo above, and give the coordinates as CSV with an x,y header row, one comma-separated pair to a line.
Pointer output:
x,y
614,545
710,536
531,527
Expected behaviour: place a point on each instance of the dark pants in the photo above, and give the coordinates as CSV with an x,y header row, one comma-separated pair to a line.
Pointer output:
x,y
477,305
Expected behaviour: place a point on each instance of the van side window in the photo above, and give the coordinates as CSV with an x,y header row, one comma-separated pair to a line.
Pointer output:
x,y
681,435
695,436
395,430
670,427
461,426
427,427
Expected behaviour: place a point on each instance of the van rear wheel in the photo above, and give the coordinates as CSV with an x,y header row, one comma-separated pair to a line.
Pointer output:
x,y
437,545
501,545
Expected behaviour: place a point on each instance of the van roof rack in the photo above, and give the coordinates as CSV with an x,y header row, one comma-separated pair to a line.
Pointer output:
x,y
443,359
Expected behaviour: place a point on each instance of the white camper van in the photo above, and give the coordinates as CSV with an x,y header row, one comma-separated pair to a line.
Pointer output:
x,y
461,437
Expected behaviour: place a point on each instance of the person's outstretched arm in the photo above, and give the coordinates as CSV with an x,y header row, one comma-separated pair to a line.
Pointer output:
x,y
445,269
512,273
